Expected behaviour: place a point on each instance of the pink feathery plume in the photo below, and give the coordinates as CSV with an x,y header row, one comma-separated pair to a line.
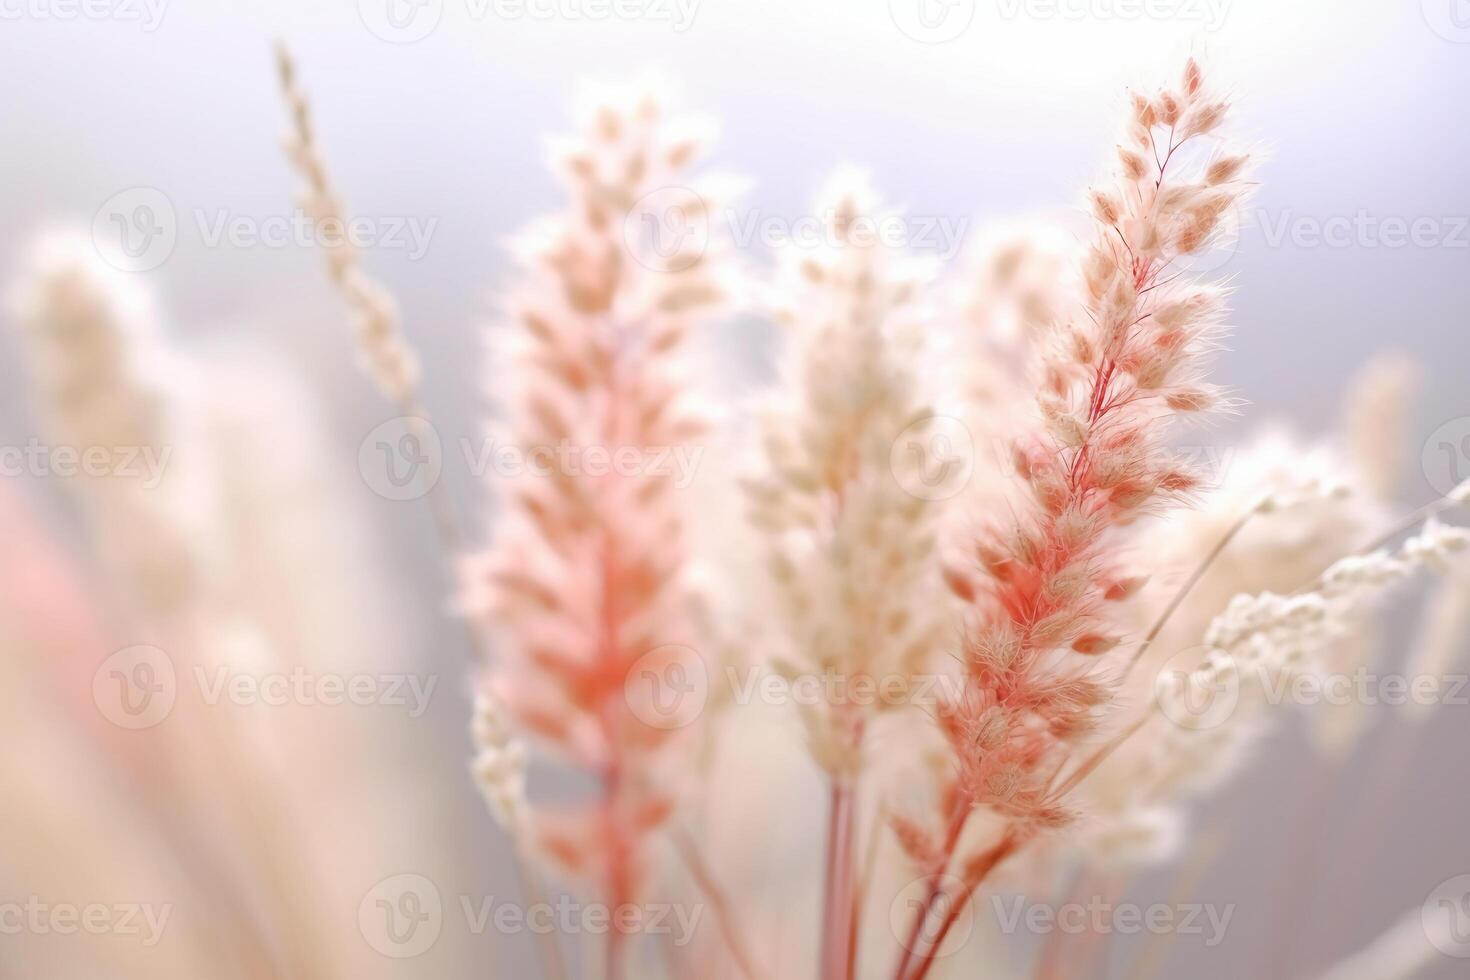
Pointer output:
x,y
586,585
1115,380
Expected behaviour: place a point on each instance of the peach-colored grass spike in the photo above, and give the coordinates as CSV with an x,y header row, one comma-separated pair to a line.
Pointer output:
x,y
586,583
1129,363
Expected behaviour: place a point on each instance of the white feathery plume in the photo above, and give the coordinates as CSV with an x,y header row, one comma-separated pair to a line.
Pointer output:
x,y
1439,646
849,495
845,448
1266,638
1376,421
105,381
998,318
500,765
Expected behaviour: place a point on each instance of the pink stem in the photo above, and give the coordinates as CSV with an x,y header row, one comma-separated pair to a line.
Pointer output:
x,y
957,823
837,909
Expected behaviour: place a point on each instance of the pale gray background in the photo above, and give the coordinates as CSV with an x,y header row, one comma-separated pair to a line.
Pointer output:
x,y
1361,107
